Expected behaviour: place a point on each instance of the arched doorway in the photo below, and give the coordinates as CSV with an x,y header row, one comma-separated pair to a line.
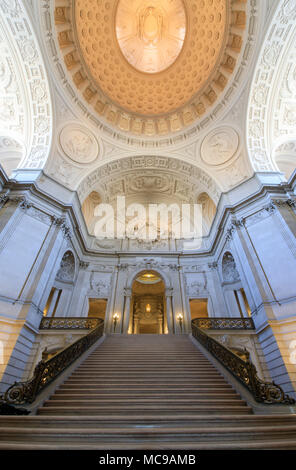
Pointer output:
x,y
148,305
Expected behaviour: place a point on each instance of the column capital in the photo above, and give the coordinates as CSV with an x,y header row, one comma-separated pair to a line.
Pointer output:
x,y
22,202
270,208
127,291
282,202
83,264
213,265
4,198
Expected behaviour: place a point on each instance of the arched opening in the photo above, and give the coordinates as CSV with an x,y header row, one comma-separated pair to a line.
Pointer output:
x,y
148,315
61,291
11,154
285,158
88,210
208,211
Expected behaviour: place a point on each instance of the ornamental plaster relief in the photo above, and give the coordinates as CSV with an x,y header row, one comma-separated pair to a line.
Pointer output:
x,y
99,285
153,164
63,171
12,107
83,104
196,285
284,116
272,59
219,146
79,144
234,173
22,58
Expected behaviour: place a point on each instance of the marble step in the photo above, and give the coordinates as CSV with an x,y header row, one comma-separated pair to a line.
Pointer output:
x,y
130,435
141,420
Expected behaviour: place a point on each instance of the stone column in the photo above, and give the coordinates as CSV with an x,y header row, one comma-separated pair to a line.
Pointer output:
x,y
170,321
136,324
127,309
111,303
186,309
160,323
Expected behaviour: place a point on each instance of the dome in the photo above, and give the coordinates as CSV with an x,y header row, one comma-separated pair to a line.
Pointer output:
x,y
150,67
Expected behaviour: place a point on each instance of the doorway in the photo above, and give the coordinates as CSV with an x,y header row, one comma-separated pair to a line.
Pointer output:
x,y
198,308
147,309
97,308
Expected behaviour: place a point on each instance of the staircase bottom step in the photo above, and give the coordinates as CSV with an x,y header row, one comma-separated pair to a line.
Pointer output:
x,y
264,444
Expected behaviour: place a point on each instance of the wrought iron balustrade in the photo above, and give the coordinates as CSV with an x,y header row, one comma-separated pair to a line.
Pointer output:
x,y
226,323
46,371
75,323
244,371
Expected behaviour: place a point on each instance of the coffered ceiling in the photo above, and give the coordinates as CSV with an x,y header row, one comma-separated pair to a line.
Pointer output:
x,y
150,67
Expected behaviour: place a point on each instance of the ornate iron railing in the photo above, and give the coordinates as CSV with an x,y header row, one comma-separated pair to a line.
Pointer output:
x,y
46,371
244,371
75,323
225,323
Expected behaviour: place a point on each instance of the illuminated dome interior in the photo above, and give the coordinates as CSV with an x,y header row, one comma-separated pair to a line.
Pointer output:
x,y
150,67
151,35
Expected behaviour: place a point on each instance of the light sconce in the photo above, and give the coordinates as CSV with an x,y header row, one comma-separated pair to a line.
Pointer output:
x,y
180,320
115,320
148,308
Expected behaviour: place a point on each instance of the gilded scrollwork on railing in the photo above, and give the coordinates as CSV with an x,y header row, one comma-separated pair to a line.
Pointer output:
x,y
46,371
244,371
63,323
225,323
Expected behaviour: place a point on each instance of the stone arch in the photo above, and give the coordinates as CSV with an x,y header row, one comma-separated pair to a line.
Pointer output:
x,y
25,101
285,157
272,97
88,206
157,296
115,171
11,154
209,209
149,267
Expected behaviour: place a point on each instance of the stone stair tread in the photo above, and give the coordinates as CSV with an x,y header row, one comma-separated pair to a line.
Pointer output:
x,y
163,445
156,430
146,392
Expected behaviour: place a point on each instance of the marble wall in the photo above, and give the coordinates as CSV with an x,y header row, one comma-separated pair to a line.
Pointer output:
x,y
248,268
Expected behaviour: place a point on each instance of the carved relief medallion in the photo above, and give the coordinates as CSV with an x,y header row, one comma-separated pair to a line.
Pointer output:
x,y
219,146
79,144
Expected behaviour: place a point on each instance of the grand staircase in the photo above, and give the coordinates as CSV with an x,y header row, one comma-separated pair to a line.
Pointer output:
x,y
147,391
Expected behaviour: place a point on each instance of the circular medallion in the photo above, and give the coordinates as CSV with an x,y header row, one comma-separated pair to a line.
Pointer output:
x,y
151,33
219,146
79,144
